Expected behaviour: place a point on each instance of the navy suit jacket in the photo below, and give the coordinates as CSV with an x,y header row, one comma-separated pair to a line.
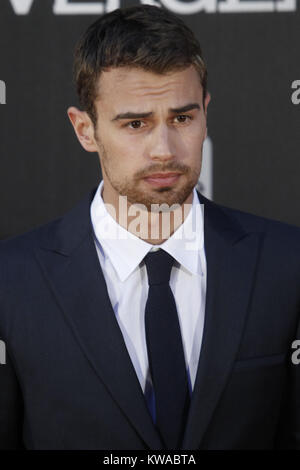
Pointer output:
x,y
68,381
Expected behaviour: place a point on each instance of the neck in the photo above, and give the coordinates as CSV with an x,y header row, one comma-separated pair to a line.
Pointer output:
x,y
152,227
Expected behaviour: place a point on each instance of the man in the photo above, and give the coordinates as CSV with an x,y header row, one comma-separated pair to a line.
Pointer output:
x,y
149,317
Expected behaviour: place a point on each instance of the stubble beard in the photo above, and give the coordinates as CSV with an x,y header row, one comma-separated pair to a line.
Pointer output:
x,y
167,196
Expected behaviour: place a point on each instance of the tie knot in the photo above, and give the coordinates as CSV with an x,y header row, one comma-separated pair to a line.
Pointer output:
x,y
159,264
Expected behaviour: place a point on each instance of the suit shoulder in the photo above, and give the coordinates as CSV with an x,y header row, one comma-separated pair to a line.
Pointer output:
x,y
273,229
66,230
27,240
17,254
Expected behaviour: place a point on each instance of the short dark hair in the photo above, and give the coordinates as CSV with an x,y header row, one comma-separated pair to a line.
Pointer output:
x,y
144,36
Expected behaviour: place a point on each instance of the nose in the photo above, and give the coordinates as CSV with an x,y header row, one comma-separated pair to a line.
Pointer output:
x,y
161,145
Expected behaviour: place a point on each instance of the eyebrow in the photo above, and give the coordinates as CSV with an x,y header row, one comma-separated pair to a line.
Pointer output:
x,y
132,115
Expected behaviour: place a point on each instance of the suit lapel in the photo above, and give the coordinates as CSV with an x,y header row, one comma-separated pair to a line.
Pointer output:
x,y
231,256
70,263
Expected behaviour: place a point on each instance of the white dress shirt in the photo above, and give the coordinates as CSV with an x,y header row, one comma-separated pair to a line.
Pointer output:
x,y
126,278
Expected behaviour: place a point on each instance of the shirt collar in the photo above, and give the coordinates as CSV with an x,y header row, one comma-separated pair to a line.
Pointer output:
x,y
126,251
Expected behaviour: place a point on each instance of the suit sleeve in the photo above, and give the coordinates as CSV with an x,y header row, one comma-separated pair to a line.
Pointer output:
x,y
11,406
288,435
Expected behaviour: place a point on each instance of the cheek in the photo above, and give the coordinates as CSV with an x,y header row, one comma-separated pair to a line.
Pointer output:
x,y
128,152
124,160
118,142
198,131
191,142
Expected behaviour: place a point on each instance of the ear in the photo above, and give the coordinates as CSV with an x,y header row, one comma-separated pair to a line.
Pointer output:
x,y
83,127
206,101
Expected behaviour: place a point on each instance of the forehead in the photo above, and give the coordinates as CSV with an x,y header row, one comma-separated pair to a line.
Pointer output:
x,y
130,85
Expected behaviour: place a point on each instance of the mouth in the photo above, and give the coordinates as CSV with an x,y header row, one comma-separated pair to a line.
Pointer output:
x,y
162,179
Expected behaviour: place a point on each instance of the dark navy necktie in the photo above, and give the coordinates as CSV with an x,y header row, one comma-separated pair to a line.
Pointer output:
x,y
165,351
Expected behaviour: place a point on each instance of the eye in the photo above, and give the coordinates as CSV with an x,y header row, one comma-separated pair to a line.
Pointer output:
x,y
136,124
183,118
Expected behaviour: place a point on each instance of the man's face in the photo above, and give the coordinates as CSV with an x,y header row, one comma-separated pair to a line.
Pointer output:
x,y
150,124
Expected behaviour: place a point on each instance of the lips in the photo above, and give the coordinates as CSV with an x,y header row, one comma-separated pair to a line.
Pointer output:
x,y
162,175
162,179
